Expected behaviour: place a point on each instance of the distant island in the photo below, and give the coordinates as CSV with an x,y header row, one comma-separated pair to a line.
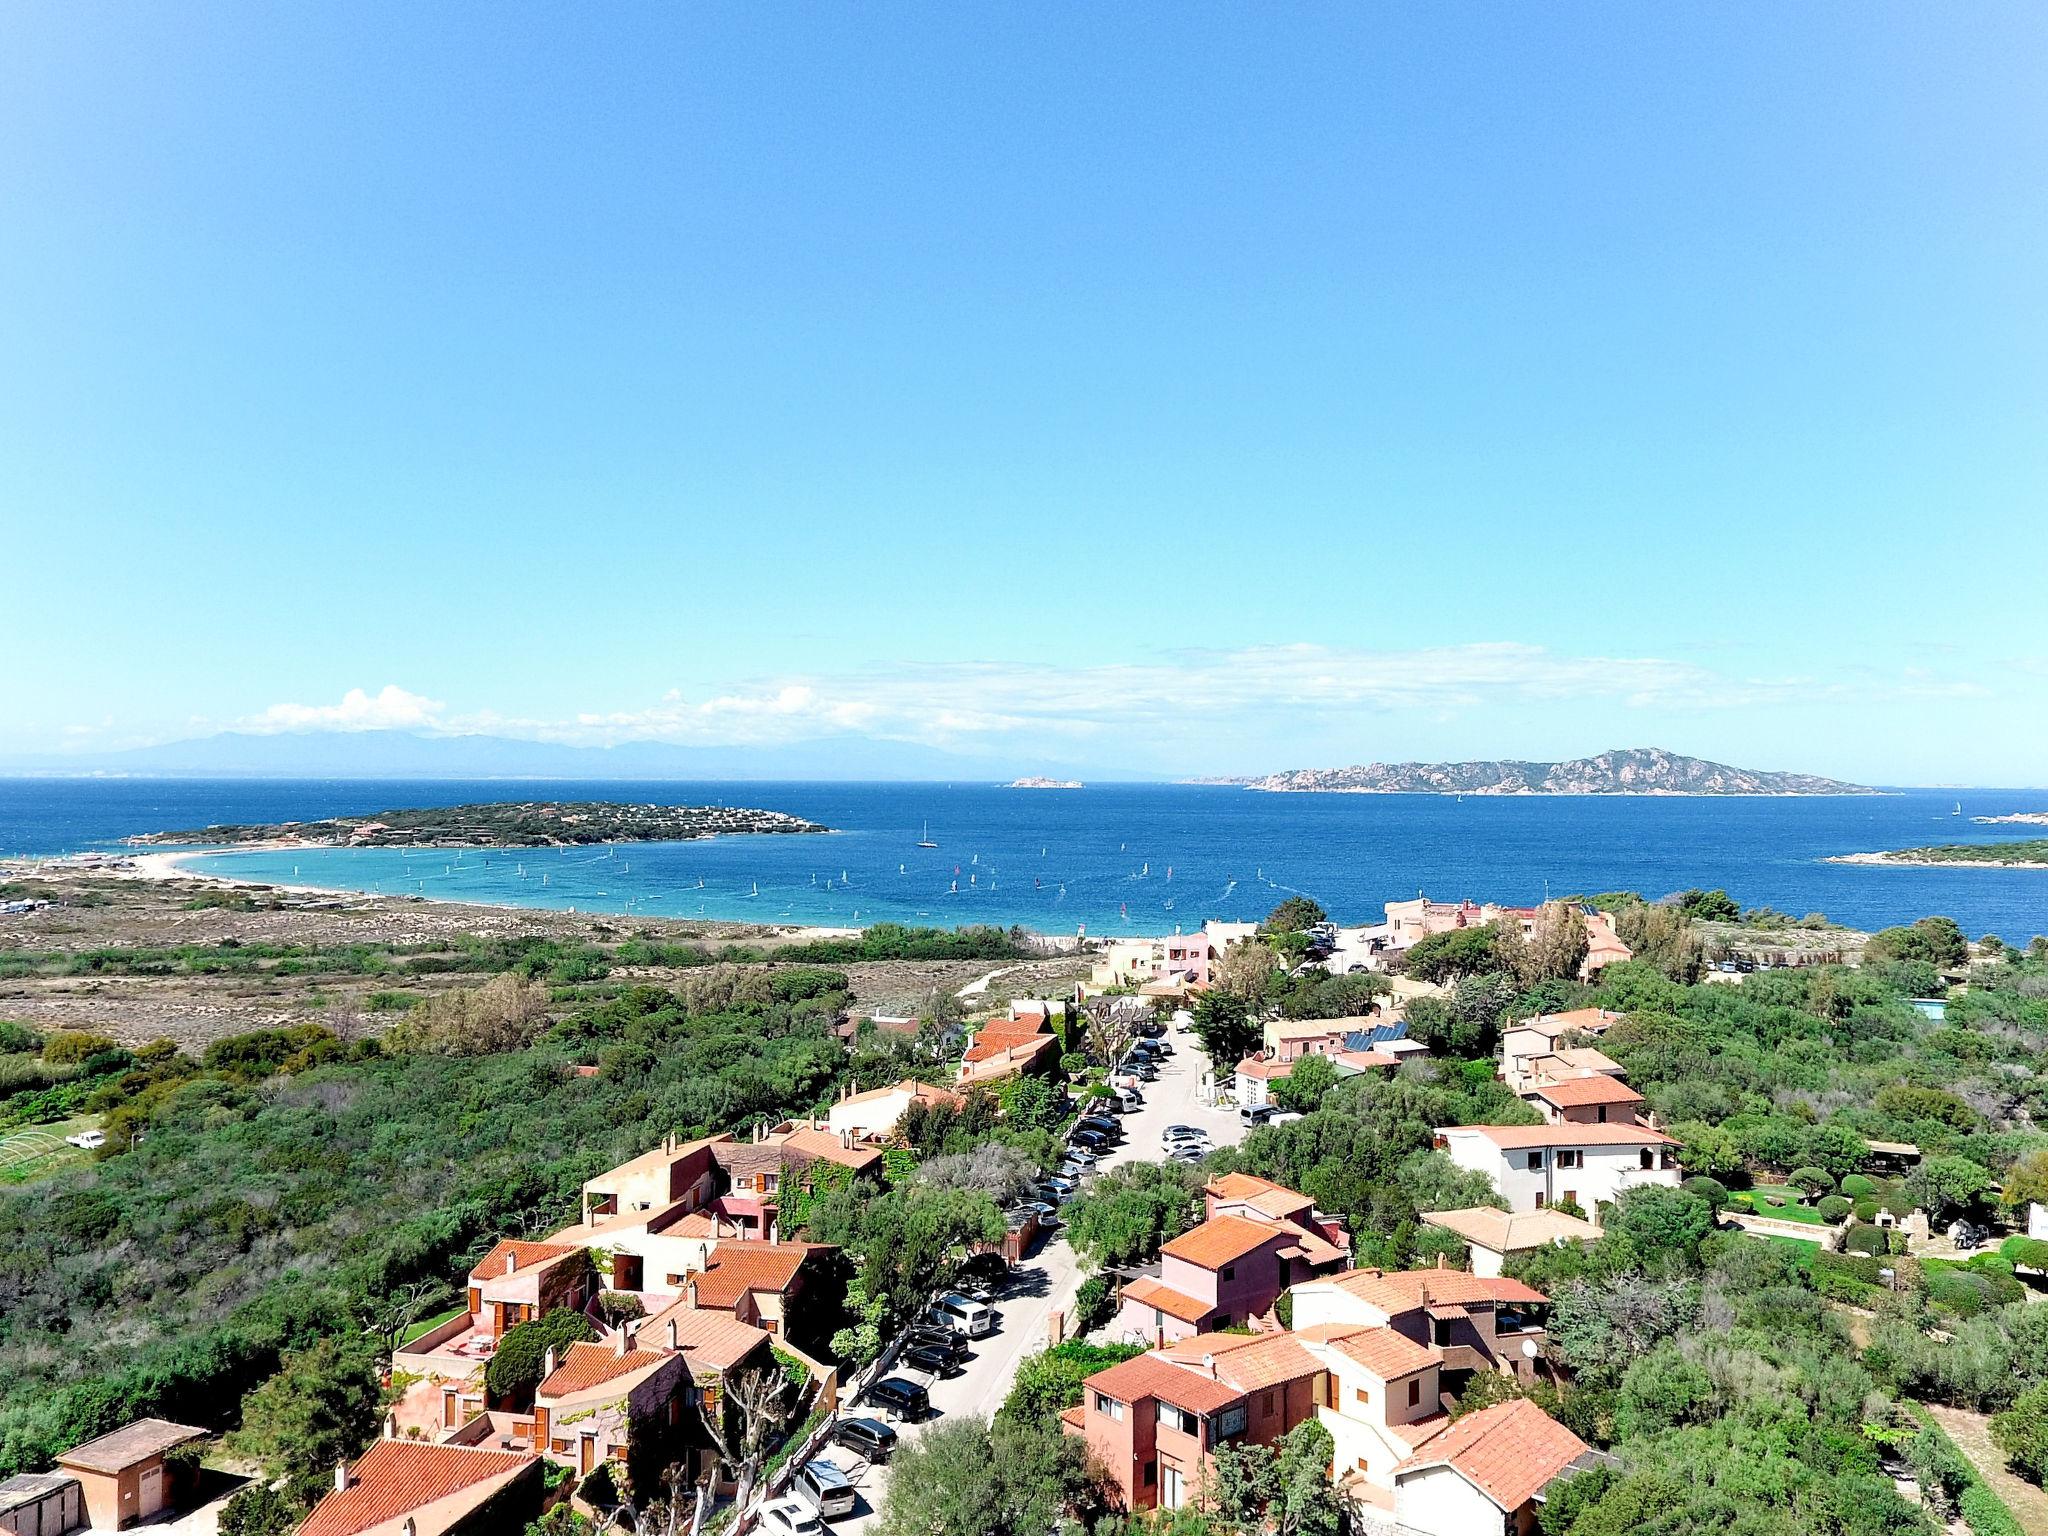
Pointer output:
x,y
1037,783
1630,771
2031,853
2023,818
504,824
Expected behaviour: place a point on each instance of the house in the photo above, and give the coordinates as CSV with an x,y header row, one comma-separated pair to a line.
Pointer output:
x,y
41,1503
1493,1236
412,1488
131,1476
1223,1274
1246,1194
1528,1042
1538,1165
674,1172
1473,1322
1381,1395
1256,1076
874,1114
2037,1220
740,1181
1291,1039
517,1282
653,1250
1487,1471
612,1401
1153,1422
760,1284
1002,1048
1592,1100
1603,944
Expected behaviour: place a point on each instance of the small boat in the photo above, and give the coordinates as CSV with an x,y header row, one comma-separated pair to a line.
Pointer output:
x,y
1958,810
926,840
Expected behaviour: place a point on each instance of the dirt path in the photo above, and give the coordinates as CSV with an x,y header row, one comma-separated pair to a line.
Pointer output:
x,y
1972,1435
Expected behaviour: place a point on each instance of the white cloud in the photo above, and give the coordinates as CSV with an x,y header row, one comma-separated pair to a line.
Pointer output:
x,y
391,708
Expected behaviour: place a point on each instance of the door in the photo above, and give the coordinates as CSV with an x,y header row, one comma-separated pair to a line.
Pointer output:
x,y
152,1498
1170,1492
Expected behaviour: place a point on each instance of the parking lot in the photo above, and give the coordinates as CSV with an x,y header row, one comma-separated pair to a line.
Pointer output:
x,y
1048,1279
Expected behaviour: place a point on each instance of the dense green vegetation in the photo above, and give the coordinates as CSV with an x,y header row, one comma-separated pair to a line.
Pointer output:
x,y
2027,851
505,824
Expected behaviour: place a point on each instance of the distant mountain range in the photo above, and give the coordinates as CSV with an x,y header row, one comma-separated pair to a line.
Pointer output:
x,y
411,755
1629,771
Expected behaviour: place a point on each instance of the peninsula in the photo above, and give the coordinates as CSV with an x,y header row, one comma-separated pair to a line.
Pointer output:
x,y
1629,771
2030,853
2022,818
501,824
1038,783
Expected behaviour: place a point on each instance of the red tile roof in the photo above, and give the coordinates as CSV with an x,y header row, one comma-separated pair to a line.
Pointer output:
x,y
1224,1239
1403,1290
1260,1194
1259,1066
1509,1452
1510,1138
1574,1091
1145,1376
397,1477
1148,1292
739,1267
1382,1351
1252,1362
592,1365
714,1339
523,1256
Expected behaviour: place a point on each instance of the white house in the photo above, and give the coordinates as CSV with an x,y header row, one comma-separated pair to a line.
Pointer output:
x,y
1534,1166
1487,1471
876,1112
1492,1237
1529,1047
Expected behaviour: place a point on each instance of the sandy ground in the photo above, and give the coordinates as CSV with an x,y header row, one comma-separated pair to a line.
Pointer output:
x,y
1893,861
1972,1435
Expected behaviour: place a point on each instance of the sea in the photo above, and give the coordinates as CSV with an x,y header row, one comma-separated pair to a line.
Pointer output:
x,y
1107,859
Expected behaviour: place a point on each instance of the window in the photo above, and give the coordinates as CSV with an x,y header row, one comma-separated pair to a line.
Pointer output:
x,y
1440,1330
1110,1407
1535,1161
1572,1195
1151,1473
1230,1421
1174,1418
1362,1395
1230,1271
1170,1495
1603,1114
1266,1406
1572,1159
1541,1200
1645,1155
1414,1392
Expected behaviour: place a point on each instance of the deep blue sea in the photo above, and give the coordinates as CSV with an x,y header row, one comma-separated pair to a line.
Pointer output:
x,y
1117,858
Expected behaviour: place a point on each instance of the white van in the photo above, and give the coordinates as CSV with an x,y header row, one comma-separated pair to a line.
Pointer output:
x,y
825,1487
972,1318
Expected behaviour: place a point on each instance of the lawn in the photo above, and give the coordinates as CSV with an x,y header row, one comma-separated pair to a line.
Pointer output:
x,y
426,1325
1781,1203
1801,1250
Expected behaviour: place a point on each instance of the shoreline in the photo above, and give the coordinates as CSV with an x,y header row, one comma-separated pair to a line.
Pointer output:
x,y
1894,861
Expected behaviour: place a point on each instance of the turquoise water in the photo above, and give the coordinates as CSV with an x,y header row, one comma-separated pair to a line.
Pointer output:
x,y
1124,858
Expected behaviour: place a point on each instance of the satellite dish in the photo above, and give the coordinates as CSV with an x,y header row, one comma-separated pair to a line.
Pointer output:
x,y
1529,1348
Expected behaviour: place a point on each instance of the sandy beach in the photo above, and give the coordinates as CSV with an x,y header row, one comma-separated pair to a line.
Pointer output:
x,y
1894,861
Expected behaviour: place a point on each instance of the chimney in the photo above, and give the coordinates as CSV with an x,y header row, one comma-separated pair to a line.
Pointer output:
x,y
773,1228
390,1426
672,1321
548,1363
1209,1365
1441,1263
410,1528
690,1291
341,1477
846,1139
511,1262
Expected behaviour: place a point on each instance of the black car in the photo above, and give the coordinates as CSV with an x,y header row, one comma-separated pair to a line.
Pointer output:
x,y
866,1437
930,1357
924,1335
1094,1141
1106,1124
905,1400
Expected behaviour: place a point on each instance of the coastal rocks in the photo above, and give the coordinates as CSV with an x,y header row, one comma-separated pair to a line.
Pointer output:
x,y
506,824
1630,771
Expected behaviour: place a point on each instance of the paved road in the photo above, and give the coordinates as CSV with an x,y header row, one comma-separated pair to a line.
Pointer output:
x,y
1048,1279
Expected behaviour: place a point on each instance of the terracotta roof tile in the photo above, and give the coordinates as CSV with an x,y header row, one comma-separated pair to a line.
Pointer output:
x,y
1574,1091
129,1444
1252,1362
1262,1195
715,1339
523,1255
1403,1290
1514,1137
1153,1376
1512,1231
738,1267
1148,1292
1382,1351
397,1477
1224,1239
592,1365
1509,1452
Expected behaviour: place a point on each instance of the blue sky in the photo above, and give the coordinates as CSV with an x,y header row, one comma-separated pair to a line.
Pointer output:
x,y
1170,389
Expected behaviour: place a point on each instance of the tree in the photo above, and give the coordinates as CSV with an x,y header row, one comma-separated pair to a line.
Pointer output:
x,y
1228,1028
260,1509
1306,1082
1454,952
1709,906
521,1357
2022,1433
1050,1381
969,1478
756,1402
322,1407
1246,971
908,1243
1131,1211
2028,1182
1935,940
1660,1224
1662,1391
1297,914
1663,937
1940,1185
504,1014
1553,951
1706,1149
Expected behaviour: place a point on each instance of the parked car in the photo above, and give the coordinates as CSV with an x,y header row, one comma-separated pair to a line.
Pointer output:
x,y
932,1336
1092,1141
1161,1047
986,1271
825,1487
972,1318
1047,1213
1099,1122
1184,1152
1285,1117
930,1357
904,1401
1131,1099
790,1517
865,1437
1257,1114
1059,1187
88,1139
1186,1130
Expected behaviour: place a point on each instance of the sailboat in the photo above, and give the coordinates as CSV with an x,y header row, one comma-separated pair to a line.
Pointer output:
x,y
1958,810
926,840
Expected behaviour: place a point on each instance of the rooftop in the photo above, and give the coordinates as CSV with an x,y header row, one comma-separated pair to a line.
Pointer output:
x,y
1262,1195
396,1477
1509,1452
1576,1092
1512,1231
1148,1291
1589,1021
592,1365
524,1256
1249,1362
1403,1290
1153,1375
1387,1354
129,1444
737,1267
714,1339
1224,1239
1511,1137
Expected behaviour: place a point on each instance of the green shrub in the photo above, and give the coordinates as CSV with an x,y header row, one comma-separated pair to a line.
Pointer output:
x,y
18,1037
1094,1304
1858,1186
1865,1240
1866,1211
1986,1515
2028,1252
1812,1181
1833,1208
1711,1190
73,1045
